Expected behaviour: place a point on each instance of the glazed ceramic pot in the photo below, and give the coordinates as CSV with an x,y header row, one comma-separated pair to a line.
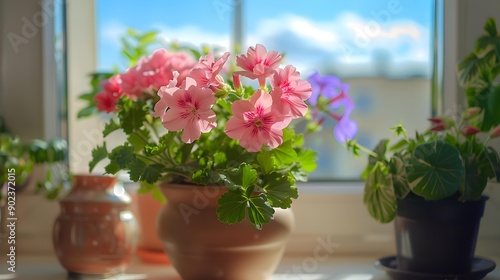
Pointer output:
x,y
201,247
95,232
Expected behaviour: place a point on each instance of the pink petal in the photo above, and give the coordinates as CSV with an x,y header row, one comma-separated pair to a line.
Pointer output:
x,y
235,128
191,132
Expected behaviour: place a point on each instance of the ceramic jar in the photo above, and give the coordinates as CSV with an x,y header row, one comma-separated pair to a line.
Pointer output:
x,y
201,247
95,232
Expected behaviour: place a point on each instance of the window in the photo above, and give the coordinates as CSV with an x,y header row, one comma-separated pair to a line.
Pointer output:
x,y
383,49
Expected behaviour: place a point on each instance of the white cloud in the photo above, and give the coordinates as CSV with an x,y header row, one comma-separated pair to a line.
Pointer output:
x,y
346,40
193,35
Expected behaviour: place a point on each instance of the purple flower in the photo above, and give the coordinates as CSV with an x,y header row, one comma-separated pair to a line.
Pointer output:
x,y
323,85
335,93
345,129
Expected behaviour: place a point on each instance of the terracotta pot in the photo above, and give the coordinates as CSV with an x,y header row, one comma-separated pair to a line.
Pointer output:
x,y
201,247
150,248
95,232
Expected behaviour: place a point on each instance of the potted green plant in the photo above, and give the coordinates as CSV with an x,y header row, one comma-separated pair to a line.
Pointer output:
x,y
17,161
432,184
225,155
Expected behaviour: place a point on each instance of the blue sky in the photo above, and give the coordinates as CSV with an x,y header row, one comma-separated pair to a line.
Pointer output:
x,y
313,33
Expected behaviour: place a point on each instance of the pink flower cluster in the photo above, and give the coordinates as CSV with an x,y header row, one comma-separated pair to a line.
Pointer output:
x,y
147,76
255,122
187,94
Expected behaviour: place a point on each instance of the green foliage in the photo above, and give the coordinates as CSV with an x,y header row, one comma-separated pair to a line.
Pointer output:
x,y
478,73
19,159
434,165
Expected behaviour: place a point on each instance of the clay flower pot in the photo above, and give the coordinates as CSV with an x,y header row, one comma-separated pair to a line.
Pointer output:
x,y
95,232
201,247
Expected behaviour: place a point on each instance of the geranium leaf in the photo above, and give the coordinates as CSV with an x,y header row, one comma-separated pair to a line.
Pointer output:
x,y
307,160
112,168
242,177
140,171
122,155
285,154
279,190
266,161
138,139
132,114
110,127
435,171
232,206
379,196
220,158
98,153
259,210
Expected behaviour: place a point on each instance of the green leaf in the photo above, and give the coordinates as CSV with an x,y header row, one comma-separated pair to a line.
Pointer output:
x,y
122,155
491,27
140,171
488,99
399,145
474,184
239,178
138,139
260,211
132,114
112,168
470,68
110,127
87,111
494,161
98,153
308,160
220,159
232,206
435,171
380,150
379,196
398,176
285,154
266,161
279,190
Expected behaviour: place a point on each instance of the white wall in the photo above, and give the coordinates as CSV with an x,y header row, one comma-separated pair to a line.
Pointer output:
x,y
21,80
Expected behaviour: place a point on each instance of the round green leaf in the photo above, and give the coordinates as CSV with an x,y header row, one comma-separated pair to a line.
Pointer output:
x,y
435,171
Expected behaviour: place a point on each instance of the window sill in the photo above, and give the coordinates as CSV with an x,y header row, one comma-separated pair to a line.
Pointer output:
x,y
334,268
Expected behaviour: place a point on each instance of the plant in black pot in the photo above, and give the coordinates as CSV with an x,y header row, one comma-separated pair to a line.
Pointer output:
x,y
432,184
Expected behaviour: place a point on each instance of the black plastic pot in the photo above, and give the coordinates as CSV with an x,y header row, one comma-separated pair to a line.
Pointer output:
x,y
437,237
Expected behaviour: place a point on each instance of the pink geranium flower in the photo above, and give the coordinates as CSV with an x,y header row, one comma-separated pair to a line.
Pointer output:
x,y
112,91
290,91
106,102
207,70
189,109
258,63
132,83
161,106
155,71
255,124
